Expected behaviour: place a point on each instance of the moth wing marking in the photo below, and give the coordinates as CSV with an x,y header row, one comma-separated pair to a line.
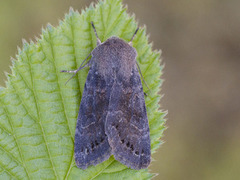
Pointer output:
x,y
91,143
127,124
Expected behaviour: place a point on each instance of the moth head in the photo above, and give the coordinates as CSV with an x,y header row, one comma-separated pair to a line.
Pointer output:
x,y
118,47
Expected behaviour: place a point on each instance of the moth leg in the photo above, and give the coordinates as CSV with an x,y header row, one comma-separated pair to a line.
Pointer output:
x,y
95,31
75,71
139,70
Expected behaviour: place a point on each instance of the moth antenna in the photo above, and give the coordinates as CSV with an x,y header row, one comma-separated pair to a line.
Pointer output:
x,y
75,71
95,31
142,77
133,36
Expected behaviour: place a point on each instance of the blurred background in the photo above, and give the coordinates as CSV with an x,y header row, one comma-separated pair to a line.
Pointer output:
x,y
200,41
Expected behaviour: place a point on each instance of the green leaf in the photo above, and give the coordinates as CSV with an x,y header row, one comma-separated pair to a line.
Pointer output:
x,y
38,111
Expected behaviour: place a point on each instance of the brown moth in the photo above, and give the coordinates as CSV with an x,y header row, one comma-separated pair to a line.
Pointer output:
x,y
112,118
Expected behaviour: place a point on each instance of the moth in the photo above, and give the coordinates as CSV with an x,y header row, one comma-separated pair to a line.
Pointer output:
x,y
112,118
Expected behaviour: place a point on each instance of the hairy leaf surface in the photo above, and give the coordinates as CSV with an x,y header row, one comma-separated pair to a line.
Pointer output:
x,y
38,112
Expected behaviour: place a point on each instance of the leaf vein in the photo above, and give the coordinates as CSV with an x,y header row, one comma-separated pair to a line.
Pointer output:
x,y
9,154
103,169
10,122
12,175
75,57
23,102
38,111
